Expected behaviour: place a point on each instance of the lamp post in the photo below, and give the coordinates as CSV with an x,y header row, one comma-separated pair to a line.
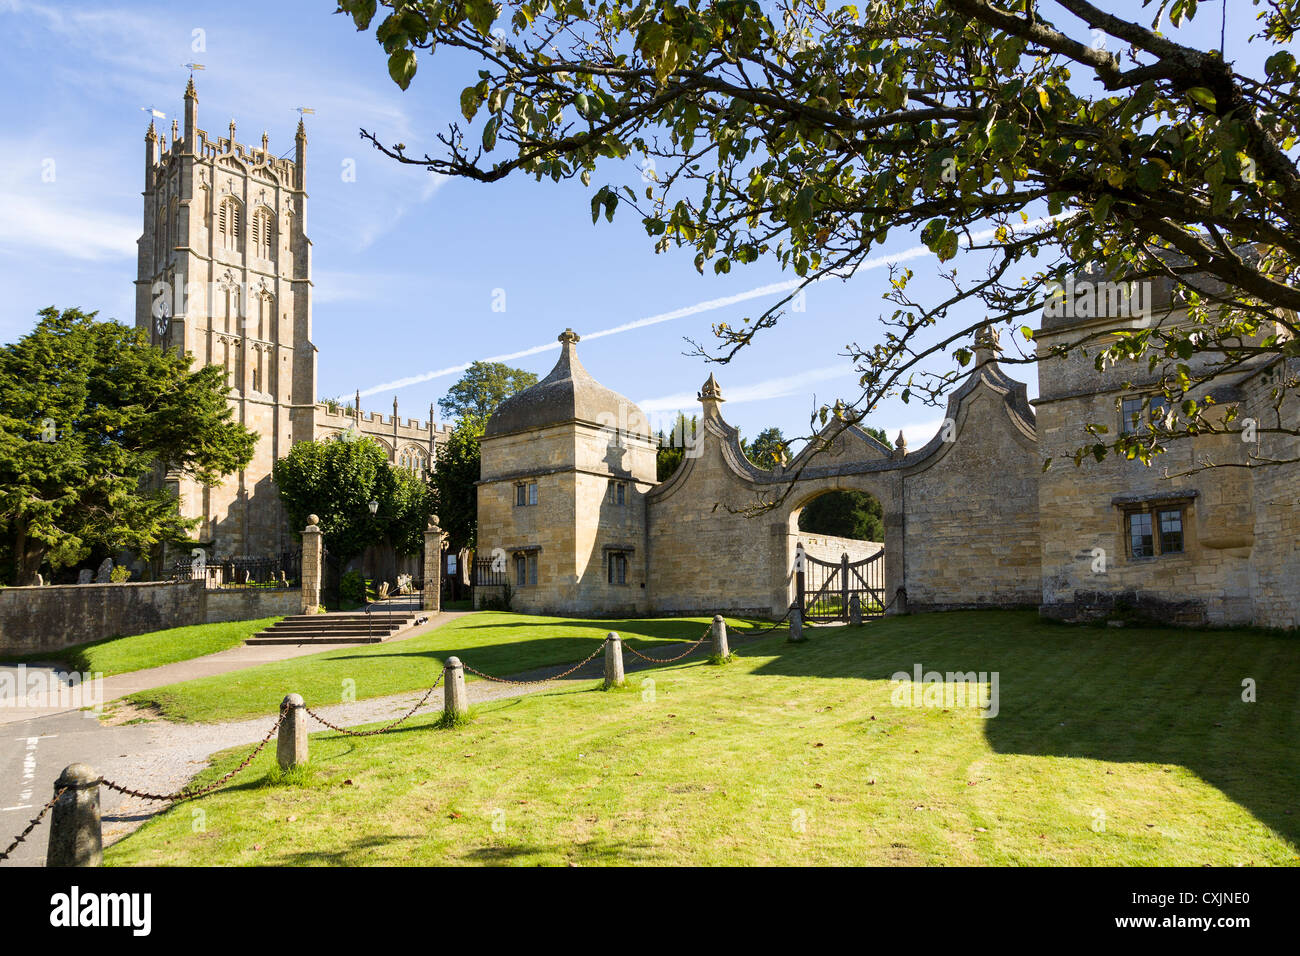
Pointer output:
x,y
374,508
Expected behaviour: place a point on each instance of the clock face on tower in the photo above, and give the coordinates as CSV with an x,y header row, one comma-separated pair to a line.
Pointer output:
x,y
163,321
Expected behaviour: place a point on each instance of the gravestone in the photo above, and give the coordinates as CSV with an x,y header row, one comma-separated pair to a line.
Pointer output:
x,y
105,571
85,576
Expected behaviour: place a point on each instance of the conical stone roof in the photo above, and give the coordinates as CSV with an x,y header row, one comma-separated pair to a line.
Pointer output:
x,y
567,394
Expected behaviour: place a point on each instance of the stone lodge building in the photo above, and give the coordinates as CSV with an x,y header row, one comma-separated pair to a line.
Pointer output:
x,y
569,504
225,274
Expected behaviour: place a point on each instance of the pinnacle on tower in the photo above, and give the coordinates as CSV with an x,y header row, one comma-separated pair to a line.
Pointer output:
x,y
190,93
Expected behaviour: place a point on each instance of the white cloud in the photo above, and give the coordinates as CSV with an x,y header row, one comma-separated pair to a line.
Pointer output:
x,y
69,229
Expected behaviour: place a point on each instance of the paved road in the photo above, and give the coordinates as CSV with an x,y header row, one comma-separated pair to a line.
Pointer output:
x,y
37,742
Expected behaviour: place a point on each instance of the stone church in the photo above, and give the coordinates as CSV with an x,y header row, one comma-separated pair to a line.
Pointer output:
x,y
571,511
225,274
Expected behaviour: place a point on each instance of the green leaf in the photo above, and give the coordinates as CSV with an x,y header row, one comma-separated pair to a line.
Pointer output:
x,y
401,67
1203,96
471,97
481,14
363,11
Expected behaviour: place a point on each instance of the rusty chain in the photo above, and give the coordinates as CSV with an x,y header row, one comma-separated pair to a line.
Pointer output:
x,y
770,627
544,680
668,660
35,821
386,727
186,794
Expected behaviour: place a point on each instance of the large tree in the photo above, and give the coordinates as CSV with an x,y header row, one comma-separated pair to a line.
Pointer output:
x,y
455,483
845,514
482,388
1030,137
90,415
768,449
336,479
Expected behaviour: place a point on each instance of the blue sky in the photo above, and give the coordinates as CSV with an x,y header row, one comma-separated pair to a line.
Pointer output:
x,y
406,266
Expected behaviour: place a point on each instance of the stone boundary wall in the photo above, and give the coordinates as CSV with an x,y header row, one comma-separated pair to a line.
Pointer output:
x,y
50,618
826,547
249,604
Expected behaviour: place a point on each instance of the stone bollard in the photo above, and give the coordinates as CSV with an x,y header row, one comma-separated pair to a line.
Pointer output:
x,y
855,610
291,746
720,648
796,625
455,703
900,601
76,837
613,660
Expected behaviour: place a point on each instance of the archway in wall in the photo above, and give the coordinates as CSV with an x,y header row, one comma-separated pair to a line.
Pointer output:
x,y
838,554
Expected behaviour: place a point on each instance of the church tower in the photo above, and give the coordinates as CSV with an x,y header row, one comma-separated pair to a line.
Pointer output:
x,y
225,275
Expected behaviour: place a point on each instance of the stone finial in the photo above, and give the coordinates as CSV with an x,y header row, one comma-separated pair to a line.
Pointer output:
x,y
232,134
987,347
711,391
433,523
900,446
313,521
569,337
302,130
190,92
151,134
176,129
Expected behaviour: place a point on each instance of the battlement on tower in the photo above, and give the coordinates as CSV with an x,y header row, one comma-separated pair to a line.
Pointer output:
x,y
251,158
340,418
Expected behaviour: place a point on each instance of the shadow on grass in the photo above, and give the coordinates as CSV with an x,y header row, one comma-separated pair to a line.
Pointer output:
x,y
598,853
1143,695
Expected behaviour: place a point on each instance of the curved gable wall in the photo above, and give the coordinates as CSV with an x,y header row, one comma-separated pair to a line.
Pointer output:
x,y
961,516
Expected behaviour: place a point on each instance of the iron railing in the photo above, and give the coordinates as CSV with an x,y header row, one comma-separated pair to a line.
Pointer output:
x,y
284,571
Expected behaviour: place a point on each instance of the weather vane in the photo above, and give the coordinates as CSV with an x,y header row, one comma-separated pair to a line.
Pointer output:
x,y
193,66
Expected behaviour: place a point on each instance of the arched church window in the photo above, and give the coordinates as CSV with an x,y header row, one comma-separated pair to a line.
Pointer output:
x,y
228,223
263,229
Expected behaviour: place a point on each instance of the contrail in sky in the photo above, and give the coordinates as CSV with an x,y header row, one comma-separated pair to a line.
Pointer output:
x,y
878,262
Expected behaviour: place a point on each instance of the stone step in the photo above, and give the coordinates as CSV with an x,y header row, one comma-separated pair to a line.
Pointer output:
x,y
259,640
345,625
352,628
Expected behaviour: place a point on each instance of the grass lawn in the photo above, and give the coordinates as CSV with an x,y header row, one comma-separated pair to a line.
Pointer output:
x,y
1110,747
118,655
498,643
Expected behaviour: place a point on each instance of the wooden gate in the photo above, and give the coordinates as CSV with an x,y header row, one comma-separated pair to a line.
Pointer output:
x,y
824,590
